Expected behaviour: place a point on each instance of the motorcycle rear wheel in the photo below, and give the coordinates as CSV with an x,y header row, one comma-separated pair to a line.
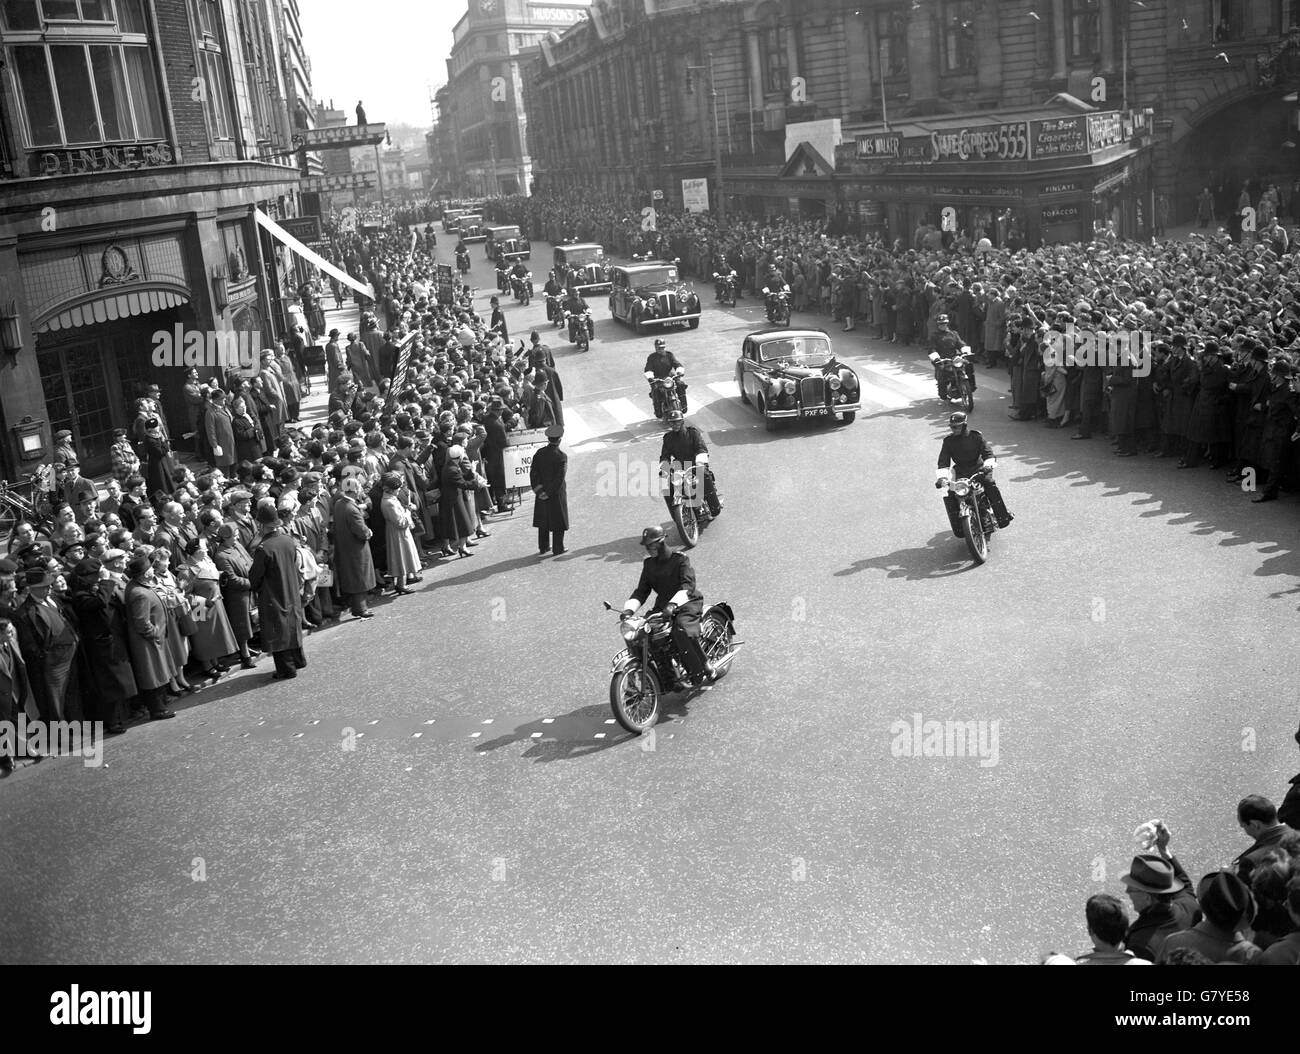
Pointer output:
x,y
634,695
715,638
688,524
973,531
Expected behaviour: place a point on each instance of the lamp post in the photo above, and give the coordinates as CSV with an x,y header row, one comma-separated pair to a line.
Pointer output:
x,y
717,136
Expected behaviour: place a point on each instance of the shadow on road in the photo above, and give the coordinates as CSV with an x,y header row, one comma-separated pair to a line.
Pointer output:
x,y
942,557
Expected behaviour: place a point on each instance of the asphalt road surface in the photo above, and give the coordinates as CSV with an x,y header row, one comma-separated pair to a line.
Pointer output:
x,y
446,783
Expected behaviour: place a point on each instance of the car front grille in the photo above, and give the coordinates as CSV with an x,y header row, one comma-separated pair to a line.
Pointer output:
x,y
812,391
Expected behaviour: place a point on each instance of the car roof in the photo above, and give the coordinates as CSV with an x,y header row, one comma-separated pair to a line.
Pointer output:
x,y
645,265
580,245
761,335
504,227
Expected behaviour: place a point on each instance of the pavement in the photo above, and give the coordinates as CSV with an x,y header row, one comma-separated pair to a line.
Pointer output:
x,y
445,782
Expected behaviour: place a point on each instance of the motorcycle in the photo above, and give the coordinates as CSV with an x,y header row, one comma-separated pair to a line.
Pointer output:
x,y
554,312
953,379
685,497
778,306
580,328
725,288
522,287
649,667
503,279
667,393
974,518
462,260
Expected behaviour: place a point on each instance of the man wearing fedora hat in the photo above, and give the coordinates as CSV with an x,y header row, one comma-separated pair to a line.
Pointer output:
x,y
1159,890
1229,909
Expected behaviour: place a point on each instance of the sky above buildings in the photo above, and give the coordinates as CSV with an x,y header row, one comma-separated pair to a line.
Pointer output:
x,y
386,53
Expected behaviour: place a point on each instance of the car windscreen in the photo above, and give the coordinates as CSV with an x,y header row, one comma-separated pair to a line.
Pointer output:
x,y
657,280
502,233
806,351
471,220
582,257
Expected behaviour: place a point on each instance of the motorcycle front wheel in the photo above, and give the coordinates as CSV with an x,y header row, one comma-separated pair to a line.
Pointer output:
x,y
688,525
973,531
634,697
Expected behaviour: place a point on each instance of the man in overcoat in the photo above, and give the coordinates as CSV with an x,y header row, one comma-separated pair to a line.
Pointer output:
x,y
278,582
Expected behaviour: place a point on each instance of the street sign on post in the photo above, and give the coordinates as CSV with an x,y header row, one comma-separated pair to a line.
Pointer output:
x,y
658,195
305,228
348,135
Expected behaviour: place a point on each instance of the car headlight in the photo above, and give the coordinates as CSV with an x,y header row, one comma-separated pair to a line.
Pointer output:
x,y
835,384
961,488
788,386
842,398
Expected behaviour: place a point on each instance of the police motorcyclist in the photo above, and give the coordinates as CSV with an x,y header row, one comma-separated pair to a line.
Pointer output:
x,y
774,284
554,288
576,306
684,446
503,276
968,452
671,578
948,343
662,363
723,274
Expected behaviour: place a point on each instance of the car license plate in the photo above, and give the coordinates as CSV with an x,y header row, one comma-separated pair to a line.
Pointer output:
x,y
816,411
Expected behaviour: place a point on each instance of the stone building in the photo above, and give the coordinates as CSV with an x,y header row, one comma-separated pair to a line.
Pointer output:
x,y
137,139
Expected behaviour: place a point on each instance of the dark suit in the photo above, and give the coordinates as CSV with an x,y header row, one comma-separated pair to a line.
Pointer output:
x,y
278,582
550,514
48,641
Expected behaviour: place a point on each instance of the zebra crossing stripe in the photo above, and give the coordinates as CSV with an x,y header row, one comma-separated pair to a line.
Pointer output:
x,y
726,389
873,393
624,411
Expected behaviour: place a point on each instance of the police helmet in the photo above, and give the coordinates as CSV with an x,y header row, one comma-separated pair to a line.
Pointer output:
x,y
660,344
674,415
957,418
652,536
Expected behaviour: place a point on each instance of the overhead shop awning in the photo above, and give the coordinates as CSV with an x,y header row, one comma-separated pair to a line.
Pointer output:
x,y
111,307
315,259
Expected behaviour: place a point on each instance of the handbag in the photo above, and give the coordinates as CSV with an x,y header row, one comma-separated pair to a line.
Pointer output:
x,y
324,578
185,620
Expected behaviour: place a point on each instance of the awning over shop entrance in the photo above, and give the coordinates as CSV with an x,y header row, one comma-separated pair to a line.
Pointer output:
x,y
315,259
113,307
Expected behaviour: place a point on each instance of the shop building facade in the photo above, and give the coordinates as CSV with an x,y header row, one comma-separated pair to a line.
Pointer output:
x,y
127,194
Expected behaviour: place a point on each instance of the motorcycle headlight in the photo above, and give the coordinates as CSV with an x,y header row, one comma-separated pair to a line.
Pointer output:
x,y
788,386
629,633
835,384
961,488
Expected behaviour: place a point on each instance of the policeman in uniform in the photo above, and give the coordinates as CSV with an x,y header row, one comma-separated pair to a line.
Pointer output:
x,y
671,578
577,307
967,451
947,344
684,445
663,363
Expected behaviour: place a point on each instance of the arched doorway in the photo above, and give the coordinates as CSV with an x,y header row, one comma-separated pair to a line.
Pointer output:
x,y
1252,143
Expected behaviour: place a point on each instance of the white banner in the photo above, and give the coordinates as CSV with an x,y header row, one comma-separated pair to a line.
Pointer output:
x,y
287,239
695,195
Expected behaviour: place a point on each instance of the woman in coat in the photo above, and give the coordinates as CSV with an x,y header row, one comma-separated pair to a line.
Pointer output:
x,y
164,584
457,485
233,565
107,681
214,639
248,432
1026,374
146,637
159,464
354,571
1210,425
403,556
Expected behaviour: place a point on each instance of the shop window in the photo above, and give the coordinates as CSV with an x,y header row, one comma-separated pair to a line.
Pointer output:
x,y
1085,29
958,39
891,37
97,87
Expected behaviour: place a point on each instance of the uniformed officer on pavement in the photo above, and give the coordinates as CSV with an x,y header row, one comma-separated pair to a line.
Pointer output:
x,y
684,445
671,578
967,451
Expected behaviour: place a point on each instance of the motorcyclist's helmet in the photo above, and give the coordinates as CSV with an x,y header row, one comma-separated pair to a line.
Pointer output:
x,y
661,344
652,536
942,320
957,420
674,415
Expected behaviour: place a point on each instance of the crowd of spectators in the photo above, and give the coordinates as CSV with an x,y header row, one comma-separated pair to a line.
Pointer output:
x,y
114,599
1210,324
